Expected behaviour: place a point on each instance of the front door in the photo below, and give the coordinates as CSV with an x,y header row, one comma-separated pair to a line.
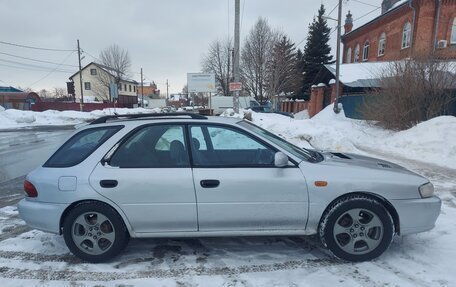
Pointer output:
x,y
239,188
150,178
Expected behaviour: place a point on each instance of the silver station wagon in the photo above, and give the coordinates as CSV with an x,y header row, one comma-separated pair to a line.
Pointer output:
x,y
187,175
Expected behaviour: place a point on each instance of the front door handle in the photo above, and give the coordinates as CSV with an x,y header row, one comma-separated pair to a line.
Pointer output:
x,y
108,183
209,183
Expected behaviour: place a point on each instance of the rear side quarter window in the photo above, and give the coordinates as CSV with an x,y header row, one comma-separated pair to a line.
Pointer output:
x,y
80,146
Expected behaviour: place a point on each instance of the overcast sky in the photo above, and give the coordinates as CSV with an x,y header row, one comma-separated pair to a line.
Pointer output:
x,y
166,38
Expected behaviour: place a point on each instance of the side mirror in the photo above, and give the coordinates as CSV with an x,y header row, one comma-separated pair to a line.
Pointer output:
x,y
280,159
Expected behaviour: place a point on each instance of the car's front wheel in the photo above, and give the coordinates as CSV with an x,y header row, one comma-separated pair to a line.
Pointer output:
x,y
94,232
357,228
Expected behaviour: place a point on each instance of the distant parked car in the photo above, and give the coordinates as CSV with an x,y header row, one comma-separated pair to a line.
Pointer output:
x,y
267,109
187,175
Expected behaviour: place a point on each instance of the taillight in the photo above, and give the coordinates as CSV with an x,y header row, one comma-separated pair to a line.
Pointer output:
x,y
30,189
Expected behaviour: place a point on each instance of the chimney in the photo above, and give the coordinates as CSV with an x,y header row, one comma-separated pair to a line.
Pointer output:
x,y
388,4
348,23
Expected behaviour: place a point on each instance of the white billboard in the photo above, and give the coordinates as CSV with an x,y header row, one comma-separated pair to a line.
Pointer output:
x,y
201,83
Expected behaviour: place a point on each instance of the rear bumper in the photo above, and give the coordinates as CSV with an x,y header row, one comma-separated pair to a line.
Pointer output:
x,y
41,215
417,215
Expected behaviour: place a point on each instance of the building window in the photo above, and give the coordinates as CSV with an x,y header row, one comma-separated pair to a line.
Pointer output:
x,y
406,35
349,55
87,86
134,88
125,87
381,44
93,72
129,88
356,56
366,51
453,32
120,87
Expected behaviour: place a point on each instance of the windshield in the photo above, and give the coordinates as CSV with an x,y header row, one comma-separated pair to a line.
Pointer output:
x,y
302,153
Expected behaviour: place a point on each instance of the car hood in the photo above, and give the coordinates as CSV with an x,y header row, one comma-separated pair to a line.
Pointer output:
x,y
355,160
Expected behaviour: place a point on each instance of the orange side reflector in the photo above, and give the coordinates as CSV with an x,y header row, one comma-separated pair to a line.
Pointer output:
x,y
321,183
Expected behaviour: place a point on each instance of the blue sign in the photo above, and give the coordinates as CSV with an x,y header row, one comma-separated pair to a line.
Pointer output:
x,y
114,91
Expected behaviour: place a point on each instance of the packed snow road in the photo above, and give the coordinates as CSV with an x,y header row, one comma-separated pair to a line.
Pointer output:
x,y
30,257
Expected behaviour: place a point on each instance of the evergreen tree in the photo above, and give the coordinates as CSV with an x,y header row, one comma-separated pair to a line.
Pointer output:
x,y
283,74
316,51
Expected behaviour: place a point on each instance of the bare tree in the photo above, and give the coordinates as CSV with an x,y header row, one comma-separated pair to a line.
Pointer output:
x,y
117,63
59,92
217,61
412,91
43,93
255,55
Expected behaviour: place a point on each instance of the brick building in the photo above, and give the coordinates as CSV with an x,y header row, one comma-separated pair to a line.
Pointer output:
x,y
404,29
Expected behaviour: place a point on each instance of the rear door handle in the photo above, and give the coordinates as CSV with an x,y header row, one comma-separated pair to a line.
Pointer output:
x,y
108,183
209,183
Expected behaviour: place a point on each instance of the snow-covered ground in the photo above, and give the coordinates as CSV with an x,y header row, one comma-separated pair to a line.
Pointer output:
x,y
13,119
426,259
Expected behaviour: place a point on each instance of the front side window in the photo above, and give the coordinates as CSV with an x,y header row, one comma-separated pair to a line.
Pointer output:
x,y
303,154
356,56
87,86
349,55
80,146
156,146
218,146
406,35
382,44
366,51
453,32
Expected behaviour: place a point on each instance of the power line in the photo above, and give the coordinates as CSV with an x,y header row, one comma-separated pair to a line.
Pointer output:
x,y
27,65
368,4
95,58
48,74
35,48
35,60
32,69
372,11
242,15
332,10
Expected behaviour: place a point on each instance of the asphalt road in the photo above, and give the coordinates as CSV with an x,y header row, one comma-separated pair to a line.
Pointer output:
x,y
20,152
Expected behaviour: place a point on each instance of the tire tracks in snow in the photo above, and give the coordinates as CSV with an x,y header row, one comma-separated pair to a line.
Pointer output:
x,y
71,275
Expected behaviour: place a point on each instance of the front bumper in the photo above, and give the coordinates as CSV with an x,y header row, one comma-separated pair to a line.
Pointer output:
x,y
417,215
41,215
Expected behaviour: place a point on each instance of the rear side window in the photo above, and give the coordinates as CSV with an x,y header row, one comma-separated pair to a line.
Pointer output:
x,y
80,146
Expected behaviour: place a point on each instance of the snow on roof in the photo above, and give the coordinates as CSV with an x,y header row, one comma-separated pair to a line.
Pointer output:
x,y
360,74
397,4
367,74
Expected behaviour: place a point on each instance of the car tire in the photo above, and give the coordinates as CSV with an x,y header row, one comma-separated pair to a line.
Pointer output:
x,y
94,232
356,228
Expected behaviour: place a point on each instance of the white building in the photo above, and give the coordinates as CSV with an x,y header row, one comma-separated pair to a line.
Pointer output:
x,y
95,84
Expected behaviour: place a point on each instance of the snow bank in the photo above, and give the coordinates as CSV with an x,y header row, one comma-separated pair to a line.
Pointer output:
x,y
2,109
11,118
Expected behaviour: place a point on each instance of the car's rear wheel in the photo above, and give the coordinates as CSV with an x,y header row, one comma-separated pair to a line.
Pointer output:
x,y
357,228
94,232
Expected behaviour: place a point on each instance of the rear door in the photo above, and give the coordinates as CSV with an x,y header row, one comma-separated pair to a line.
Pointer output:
x,y
150,178
239,188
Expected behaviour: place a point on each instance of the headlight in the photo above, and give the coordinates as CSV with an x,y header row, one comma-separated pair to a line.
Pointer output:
x,y
426,190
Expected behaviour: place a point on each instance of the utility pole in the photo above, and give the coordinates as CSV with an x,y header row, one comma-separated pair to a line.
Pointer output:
x,y
81,103
142,90
237,10
228,72
339,22
167,86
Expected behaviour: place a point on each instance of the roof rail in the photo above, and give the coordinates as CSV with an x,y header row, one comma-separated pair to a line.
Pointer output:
x,y
104,119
